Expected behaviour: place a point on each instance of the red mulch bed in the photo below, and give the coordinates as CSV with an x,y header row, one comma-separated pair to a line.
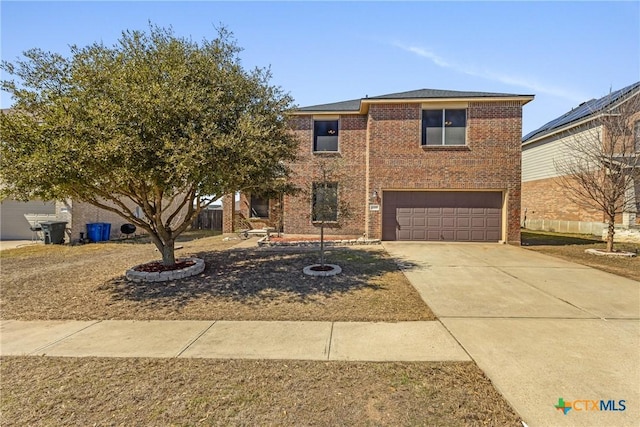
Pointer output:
x,y
157,266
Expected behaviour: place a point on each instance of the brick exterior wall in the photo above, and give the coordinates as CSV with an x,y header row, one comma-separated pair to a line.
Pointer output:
x,y
546,199
237,219
228,213
391,133
79,214
349,165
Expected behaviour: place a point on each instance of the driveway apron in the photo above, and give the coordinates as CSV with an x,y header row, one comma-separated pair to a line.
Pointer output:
x,y
541,328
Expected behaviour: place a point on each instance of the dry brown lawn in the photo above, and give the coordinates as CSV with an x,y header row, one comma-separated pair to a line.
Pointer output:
x,y
571,247
55,391
87,282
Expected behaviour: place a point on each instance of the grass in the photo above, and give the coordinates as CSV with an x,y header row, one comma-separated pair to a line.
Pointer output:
x,y
571,247
87,282
100,391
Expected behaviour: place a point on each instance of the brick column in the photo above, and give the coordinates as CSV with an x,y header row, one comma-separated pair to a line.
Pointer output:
x,y
228,213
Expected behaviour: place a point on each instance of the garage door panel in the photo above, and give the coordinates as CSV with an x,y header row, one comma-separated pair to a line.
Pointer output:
x,y
493,222
447,235
478,222
463,235
478,236
463,222
419,234
404,221
493,235
419,221
404,234
448,216
433,235
448,222
434,222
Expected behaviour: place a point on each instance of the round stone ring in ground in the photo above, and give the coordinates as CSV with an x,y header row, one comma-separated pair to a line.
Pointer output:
x,y
153,272
322,271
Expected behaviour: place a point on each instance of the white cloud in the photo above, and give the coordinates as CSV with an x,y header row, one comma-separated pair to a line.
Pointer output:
x,y
512,80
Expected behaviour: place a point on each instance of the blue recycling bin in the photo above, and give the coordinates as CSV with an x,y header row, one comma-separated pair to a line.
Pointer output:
x,y
94,231
106,231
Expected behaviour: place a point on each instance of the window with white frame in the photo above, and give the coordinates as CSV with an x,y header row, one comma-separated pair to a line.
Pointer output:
x,y
444,127
325,135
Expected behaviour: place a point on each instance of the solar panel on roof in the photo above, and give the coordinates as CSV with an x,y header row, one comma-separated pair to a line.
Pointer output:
x,y
581,111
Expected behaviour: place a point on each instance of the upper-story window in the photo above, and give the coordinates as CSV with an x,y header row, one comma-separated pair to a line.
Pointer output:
x,y
636,135
444,127
325,135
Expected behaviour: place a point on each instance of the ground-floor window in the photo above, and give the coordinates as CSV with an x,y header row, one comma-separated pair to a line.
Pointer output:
x,y
325,201
259,207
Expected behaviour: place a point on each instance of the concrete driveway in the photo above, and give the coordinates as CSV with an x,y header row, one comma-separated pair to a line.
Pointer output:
x,y
541,328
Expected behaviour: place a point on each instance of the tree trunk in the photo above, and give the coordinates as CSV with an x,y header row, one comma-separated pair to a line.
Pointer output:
x,y
611,230
322,244
167,249
169,253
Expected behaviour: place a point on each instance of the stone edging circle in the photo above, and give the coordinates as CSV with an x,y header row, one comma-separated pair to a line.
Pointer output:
x,y
336,269
264,242
165,276
613,254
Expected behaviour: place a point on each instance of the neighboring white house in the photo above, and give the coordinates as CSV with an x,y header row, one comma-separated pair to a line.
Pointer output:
x,y
13,224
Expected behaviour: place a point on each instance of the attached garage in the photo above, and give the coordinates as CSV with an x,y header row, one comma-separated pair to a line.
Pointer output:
x,y
453,216
13,224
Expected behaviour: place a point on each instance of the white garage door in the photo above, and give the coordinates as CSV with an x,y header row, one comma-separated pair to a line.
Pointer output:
x,y
13,224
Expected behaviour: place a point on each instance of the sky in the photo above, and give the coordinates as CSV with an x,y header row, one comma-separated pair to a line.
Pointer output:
x,y
564,53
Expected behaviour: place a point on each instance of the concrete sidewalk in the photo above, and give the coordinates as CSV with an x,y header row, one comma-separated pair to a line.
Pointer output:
x,y
361,341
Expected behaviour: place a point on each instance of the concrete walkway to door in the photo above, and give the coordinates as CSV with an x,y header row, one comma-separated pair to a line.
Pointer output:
x,y
541,328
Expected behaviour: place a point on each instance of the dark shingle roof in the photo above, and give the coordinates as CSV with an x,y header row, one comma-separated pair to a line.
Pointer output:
x,y
582,111
354,104
437,93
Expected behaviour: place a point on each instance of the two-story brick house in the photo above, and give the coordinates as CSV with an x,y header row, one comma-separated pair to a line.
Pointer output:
x,y
434,165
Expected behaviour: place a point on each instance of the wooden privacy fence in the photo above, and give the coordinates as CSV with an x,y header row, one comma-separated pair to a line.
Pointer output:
x,y
208,220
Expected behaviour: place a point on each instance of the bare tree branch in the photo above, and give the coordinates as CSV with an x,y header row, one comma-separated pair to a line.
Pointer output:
x,y
599,163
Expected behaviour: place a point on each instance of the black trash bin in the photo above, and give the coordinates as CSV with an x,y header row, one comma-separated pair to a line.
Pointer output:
x,y
53,232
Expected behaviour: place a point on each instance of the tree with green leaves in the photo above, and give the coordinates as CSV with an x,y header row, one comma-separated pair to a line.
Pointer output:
x,y
156,121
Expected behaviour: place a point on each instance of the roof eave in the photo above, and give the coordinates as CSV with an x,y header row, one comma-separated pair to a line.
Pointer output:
x,y
324,112
365,102
562,129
